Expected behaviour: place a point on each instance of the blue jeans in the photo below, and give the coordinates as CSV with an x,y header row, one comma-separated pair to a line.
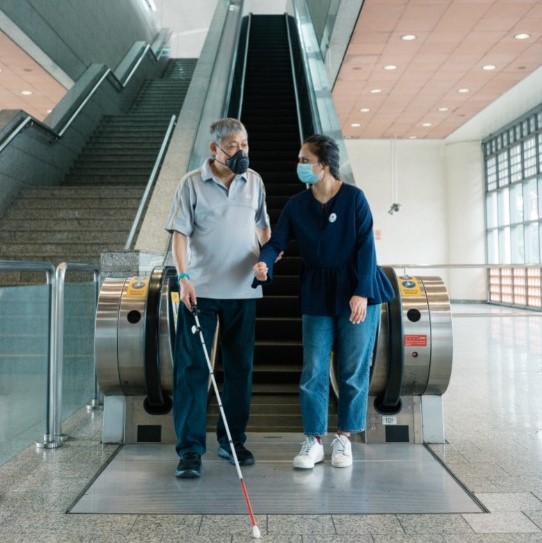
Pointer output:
x,y
353,346
191,373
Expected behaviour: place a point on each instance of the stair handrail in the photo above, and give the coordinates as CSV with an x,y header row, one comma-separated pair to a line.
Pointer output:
x,y
296,93
244,69
29,120
150,183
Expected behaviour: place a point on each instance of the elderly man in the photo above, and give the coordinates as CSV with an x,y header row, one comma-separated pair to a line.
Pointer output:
x,y
218,220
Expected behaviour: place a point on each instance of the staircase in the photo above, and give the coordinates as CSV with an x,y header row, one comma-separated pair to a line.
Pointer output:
x,y
92,211
269,114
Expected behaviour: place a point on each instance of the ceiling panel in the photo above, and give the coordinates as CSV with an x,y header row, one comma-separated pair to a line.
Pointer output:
x,y
455,40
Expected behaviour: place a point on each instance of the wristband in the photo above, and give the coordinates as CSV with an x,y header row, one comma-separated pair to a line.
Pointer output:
x,y
183,276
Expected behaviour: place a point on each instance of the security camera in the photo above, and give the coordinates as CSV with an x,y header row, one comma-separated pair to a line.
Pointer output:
x,y
394,208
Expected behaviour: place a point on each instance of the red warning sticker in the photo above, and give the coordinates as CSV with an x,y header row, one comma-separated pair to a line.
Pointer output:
x,y
415,341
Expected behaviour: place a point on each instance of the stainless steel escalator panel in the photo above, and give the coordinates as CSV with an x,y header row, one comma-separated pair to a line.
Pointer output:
x,y
417,337
107,315
131,336
440,369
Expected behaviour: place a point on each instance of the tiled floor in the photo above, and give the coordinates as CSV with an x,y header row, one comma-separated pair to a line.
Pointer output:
x,y
493,412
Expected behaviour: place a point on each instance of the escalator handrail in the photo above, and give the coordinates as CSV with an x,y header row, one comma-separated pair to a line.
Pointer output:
x,y
390,400
156,402
296,94
244,70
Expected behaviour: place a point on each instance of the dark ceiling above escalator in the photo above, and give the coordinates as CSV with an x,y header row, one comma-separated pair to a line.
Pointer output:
x,y
466,53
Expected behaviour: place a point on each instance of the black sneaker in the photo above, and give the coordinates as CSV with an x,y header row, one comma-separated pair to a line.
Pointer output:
x,y
245,457
189,466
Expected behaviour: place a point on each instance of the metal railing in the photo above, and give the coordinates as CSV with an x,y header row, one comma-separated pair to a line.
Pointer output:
x,y
294,81
150,183
53,437
244,70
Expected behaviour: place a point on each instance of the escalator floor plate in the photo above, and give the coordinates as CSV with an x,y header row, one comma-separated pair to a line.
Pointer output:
x,y
390,478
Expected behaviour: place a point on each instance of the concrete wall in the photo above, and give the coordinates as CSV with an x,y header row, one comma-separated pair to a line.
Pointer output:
x,y
77,33
441,221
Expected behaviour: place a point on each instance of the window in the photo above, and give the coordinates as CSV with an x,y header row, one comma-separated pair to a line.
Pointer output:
x,y
513,176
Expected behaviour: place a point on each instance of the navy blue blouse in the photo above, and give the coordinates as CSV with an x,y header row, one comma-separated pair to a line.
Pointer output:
x,y
337,248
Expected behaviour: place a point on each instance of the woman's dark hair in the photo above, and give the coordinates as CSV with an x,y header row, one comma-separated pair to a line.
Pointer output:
x,y
326,150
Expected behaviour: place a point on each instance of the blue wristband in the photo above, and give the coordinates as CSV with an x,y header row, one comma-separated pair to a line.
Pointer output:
x,y
183,276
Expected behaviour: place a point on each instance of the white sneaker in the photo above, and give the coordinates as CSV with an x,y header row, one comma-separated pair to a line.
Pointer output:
x,y
311,453
341,452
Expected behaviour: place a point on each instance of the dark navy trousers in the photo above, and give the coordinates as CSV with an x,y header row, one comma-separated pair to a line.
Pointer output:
x,y
191,374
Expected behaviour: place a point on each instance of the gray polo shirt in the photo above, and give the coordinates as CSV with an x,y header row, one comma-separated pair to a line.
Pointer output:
x,y
221,227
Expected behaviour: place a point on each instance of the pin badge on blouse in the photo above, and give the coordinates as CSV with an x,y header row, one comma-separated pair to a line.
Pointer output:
x,y
332,217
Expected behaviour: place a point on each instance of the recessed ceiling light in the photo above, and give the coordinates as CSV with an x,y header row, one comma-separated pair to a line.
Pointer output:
x,y
365,110
443,109
522,36
0,69
488,67
411,137
408,37
463,90
355,125
376,91
427,125
26,92
390,67
49,110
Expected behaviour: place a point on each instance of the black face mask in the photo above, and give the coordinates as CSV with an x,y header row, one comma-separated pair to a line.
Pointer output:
x,y
238,163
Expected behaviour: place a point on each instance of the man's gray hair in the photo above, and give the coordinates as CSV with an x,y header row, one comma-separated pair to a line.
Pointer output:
x,y
224,127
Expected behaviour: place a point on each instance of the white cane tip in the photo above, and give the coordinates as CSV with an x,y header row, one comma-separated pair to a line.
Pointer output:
x,y
256,532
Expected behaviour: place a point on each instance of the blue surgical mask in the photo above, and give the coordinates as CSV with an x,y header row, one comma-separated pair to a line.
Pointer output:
x,y
306,175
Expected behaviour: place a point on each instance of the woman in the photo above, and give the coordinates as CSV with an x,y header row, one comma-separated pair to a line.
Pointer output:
x,y
341,289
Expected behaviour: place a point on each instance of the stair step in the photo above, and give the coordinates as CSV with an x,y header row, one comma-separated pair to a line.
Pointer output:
x,y
29,251
66,191
59,222
75,203
126,212
103,236
106,180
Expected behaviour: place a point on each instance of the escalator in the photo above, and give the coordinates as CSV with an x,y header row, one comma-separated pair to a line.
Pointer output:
x,y
268,110
135,325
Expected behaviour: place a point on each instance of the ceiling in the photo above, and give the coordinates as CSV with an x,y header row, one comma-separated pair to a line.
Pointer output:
x,y
420,98
20,75
439,81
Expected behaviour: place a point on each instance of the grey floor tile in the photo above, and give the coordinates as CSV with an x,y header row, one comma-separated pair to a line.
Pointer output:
x,y
269,538
536,517
300,524
365,538
213,525
420,524
160,525
418,538
528,538
508,522
479,538
216,538
477,469
518,501
368,524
